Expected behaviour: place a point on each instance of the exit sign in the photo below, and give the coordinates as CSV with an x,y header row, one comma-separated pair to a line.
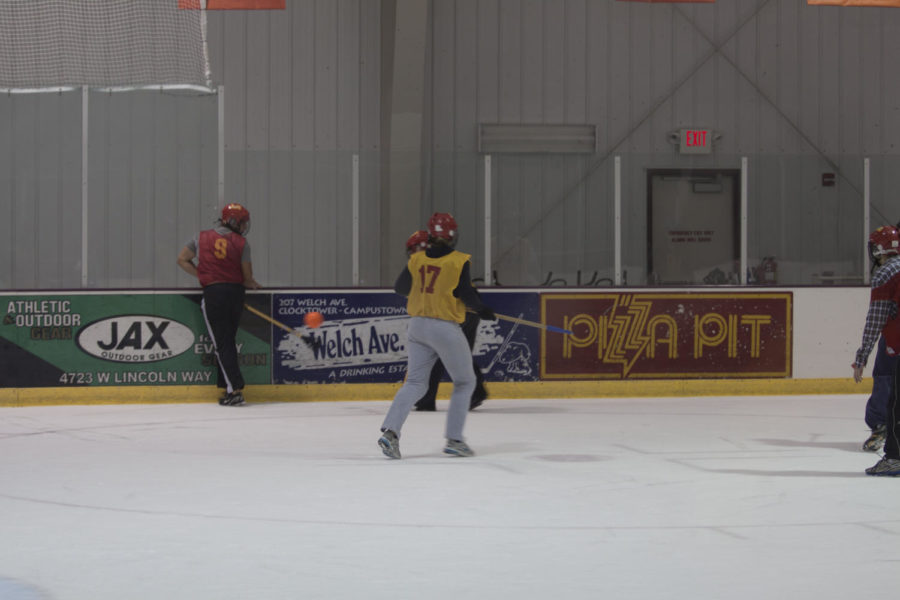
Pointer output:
x,y
695,141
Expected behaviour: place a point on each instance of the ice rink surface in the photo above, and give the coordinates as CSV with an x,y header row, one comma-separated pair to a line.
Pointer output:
x,y
636,498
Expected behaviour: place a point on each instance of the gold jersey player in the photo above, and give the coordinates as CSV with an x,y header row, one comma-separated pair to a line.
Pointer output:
x,y
439,290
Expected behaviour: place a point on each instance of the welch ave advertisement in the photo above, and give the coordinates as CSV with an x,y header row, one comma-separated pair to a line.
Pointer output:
x,y
159,338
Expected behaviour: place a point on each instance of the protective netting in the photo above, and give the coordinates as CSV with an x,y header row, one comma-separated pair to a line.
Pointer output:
x,y
102,43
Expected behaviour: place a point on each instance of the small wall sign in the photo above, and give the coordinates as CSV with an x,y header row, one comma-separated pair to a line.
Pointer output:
x,y
695,141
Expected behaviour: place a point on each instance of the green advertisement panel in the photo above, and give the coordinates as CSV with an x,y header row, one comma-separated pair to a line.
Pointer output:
x,y
85,339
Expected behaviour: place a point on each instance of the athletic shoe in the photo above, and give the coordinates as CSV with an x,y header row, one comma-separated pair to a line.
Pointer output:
x,y
420,407
390,444
876,440
458,448
232,399
886,467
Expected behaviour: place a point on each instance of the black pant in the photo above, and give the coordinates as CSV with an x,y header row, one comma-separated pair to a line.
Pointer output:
x,y
427,402
222,306
892,429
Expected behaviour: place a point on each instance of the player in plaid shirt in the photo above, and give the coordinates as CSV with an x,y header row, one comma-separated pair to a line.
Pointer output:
x,y
884,246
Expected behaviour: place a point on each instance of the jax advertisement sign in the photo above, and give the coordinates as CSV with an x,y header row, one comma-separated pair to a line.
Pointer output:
x,y
73,339
667,335
363,338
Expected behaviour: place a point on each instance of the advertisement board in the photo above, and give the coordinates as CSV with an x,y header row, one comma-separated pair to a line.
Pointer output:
x,y
74,339
155,338
656,335
363,338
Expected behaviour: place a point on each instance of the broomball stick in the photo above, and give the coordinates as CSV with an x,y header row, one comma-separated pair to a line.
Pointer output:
x,y
309,340
553,328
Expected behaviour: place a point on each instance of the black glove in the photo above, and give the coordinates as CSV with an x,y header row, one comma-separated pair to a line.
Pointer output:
x,y
313,343
486,313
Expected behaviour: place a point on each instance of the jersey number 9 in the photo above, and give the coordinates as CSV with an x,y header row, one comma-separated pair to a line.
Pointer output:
x,y
221,246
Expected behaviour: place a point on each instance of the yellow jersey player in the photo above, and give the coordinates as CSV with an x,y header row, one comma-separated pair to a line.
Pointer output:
x,y
438,287
418,242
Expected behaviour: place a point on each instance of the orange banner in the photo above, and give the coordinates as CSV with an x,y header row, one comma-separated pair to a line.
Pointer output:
x,y
233,4
677,335
887,3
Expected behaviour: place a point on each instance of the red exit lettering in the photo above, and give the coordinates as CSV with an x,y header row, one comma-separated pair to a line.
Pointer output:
x,y
696,138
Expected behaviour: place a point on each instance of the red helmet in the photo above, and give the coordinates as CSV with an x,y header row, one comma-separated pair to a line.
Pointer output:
x,y
884,241
416,242
442,226
234,216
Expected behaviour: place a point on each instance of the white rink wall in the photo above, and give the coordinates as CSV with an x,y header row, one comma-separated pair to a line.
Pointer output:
x,y
828,324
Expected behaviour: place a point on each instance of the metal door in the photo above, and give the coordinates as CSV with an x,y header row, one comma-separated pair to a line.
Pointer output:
x,y
693,228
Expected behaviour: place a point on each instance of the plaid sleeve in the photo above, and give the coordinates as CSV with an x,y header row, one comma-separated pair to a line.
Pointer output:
x,y
882,306
879,313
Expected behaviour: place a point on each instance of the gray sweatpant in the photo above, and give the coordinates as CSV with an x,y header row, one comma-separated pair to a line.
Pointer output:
x,y
429,339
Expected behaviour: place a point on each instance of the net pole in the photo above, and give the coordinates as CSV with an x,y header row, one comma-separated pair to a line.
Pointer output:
x,y
221,183
488,277
866,220
744,200
356,220
84,185
617,220
207,70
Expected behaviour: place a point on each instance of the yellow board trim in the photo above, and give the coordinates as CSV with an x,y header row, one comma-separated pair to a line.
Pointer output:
x,y
336,392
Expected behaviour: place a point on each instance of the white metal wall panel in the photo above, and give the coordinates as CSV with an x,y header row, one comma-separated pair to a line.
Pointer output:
x,y
531,61
25,239
258,155
59,213
9,258
850,38
275,201
827,130
800,90
151,184
369,147
40,188
870,72
508,60
574,62
300,243
468,171
155,226
326,157
487,24
661,77
337,262
302,96
443,131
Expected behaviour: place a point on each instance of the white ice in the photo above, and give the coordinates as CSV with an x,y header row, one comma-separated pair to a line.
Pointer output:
x,y
636,498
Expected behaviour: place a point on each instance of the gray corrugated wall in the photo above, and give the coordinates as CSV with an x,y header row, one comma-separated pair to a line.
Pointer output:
x,y
153,174
40,191
799,90
302,95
